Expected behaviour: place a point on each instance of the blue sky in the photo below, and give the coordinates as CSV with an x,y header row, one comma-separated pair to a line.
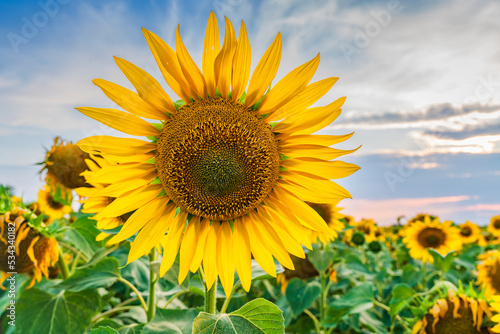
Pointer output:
x,y
422,80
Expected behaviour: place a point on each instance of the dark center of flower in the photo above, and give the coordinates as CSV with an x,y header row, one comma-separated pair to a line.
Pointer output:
x,y
217,159
323,210
496,224
494,275
431,237
53,203
66,163
466,231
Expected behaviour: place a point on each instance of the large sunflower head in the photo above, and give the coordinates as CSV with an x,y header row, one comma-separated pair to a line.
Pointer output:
x,y
489,272
233,162
49,205
334,219
34,253
458,314
494,227
469,232
431,234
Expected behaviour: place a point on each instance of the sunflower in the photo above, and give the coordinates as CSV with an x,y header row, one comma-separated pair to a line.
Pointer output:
x,y
48,205
231,169
458,314
330,213
489,272
431,234
495,305
304,270
34,253
469,232
494,227
64,163
95,199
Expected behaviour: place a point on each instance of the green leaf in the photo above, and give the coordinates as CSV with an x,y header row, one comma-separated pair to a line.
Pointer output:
x,y
103,275
256,317
47,313
171,321
82,234
357,300
131,329
370,321
321,259
401,296
353,263
103,330
301,295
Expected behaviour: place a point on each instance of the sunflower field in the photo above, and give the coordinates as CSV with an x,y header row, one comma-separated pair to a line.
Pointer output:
x,y
224,217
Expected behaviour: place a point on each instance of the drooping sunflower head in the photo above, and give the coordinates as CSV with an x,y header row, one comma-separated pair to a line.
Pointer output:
x,y
49,205
64,163
457,313
334,219
469,232
431,234
34,253
489,272
231,165
304,270
494,227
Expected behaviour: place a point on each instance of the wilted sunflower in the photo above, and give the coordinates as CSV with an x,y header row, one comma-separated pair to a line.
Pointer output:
x,y
331,215
48,205
95,199
64,163
489,272
304,270
494,227
469,232
230,176
457,314
34,253
431,234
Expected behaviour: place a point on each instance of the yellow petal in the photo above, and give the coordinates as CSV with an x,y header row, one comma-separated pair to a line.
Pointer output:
x,y
140,218
118,189
324,140
307,194
151,234
147,87
188,247
241,251
302,210
224,258
172,241
132,102
264,72
288,87
241,64
314,151
201,234
312,119
115,145
132,200
224,62
211,48
120,121
169,65
121,173
260,253
191,72
311,94
209,259
323,168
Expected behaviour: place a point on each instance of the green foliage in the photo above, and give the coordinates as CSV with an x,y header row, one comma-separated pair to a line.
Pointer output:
x,y
257,316
102,275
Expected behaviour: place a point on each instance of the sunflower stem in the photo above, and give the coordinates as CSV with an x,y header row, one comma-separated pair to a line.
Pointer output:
x,y
322,302
153,278
424,275
210,298
62,265
228,299
133,287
